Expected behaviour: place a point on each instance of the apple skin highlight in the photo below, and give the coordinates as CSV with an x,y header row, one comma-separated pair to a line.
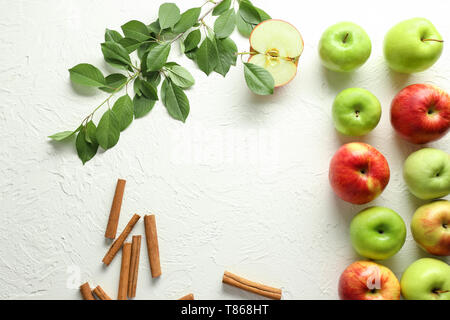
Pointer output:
x,y
366,280
420,113
358,173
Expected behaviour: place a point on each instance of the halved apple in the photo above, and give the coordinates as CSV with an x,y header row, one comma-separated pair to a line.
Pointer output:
x,y
276,46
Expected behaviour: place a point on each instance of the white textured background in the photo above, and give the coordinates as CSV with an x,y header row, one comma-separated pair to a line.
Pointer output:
x,y
242,186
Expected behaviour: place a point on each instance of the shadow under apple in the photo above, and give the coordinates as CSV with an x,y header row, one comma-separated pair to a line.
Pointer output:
x,y
337,80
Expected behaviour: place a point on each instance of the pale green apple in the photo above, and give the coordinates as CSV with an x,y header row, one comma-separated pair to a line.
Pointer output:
x,y
426,279
344,47
377,233
356,112
412,45
427,173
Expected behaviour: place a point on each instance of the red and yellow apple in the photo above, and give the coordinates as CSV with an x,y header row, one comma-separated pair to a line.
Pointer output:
x,y
276,46
358,173
430,227
420,113
367,280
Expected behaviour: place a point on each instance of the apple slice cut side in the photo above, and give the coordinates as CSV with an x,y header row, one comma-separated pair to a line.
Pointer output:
x,y
281,70
276,45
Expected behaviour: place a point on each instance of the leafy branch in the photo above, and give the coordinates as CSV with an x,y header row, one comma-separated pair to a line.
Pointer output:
x,y
153,76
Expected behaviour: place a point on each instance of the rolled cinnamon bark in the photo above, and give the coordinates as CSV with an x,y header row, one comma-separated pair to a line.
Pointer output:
x,y
251,286
117,244
134,266
189,296
113,221
86,292
124,271
151,237
100,293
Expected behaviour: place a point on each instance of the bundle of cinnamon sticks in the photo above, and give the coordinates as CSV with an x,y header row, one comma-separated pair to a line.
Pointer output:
x,y
129,269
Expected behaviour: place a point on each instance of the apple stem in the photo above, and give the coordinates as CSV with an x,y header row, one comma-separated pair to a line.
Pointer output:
x,y
345,38
440,291
437,40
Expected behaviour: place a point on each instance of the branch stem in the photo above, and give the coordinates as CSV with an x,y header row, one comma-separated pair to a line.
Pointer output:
x,y
199,19
111,95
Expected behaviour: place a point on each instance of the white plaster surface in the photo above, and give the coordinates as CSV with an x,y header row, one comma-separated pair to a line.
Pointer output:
x,y
242,186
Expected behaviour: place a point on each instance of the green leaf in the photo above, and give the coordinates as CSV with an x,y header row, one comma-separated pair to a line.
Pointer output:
x,y
192,54
149,90
258,79
60,136
226,49
123,110
137,86
192,40
225,24
248,12
187,20
113,82
221,8
145,48
157,57
136,30
91,130
175,100
112,35
85,150
116,55
142,106
263,15
154,27
129,44
153,77
243,27
206,56
180,76
108,130
167,35
168,15
87,75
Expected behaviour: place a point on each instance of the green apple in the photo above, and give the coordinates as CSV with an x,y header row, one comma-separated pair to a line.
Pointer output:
x,y
413,45
344,47
356,112
426,279
427,173
377,233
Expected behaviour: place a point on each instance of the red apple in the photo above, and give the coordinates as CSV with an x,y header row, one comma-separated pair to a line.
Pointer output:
x,y
430,227
420,113
366,280
358,173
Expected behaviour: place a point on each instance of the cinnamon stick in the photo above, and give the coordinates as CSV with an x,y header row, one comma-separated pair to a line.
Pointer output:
x,y
86,292
189,296
251,286
100,293
114,214
152,245
117,244
134,266
124,271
